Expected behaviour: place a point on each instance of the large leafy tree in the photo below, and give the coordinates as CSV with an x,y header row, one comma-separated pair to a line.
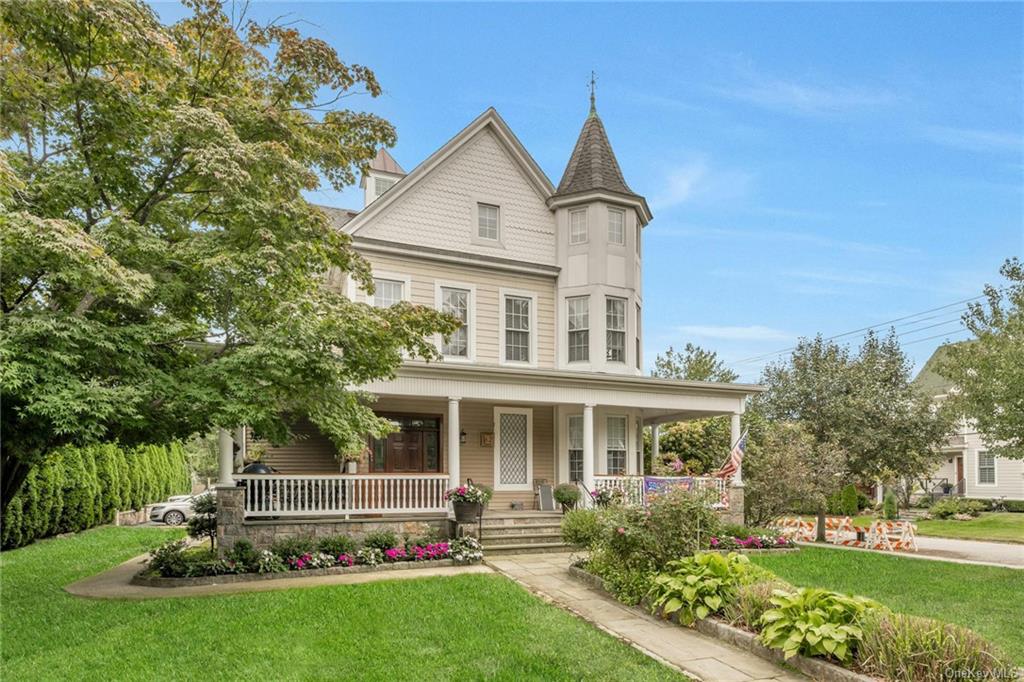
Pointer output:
x,y
988,372
693,363
162,273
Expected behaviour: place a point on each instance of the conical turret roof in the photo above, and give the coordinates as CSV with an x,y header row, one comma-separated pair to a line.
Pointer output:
x,y
593,165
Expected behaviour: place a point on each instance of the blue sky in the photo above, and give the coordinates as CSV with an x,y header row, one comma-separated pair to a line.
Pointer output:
x,y
811,167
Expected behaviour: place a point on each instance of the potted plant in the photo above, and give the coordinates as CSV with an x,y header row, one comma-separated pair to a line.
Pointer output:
x,y
567,495
351,463
467,501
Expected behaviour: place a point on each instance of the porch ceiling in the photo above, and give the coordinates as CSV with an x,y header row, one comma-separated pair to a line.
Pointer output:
x,y
662,400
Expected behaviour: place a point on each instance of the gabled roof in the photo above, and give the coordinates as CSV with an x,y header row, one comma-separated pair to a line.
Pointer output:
x,y
490,119
386,163
928,380
593,165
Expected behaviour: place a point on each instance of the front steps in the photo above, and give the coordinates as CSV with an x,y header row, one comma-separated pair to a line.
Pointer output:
x,y
521,532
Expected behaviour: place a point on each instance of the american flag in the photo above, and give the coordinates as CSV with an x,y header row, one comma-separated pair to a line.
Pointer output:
x,y
735,458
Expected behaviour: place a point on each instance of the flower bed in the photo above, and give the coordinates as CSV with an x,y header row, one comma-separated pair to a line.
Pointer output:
x,y
174,564
771,541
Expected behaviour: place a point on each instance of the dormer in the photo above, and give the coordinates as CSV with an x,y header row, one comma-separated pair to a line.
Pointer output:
x,y
381,176
600,222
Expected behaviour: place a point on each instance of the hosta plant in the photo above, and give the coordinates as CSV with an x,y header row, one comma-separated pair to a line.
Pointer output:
x,y
815,622
697,586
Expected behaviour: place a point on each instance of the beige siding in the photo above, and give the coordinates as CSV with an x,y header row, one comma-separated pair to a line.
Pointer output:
x,y
440,209
488,284
310,453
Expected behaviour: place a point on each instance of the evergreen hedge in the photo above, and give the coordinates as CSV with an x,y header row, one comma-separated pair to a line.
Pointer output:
x,y
78,488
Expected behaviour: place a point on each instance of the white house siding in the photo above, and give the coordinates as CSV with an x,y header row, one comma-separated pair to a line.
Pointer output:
x,y
1009,473
424,276
439,211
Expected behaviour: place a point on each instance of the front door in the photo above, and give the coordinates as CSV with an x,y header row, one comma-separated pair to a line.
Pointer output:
x,y
405,451
959,474
414,448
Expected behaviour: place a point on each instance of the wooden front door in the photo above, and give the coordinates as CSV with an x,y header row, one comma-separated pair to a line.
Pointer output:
x,y
405,452
414,448
959,471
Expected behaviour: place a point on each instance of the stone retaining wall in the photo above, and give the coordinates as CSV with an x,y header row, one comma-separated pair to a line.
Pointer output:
x,y
233,526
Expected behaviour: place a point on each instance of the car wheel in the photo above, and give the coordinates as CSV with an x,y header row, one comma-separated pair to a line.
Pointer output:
x,y
174,518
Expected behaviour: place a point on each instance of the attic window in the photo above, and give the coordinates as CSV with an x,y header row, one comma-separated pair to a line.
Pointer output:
x,y
381,185
487,221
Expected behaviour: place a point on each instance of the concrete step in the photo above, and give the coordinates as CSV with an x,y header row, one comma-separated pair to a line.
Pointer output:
x,y
531,520
492,550
546,538
524,529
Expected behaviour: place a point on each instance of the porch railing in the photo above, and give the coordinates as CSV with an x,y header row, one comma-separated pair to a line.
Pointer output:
x,y
632,488
273,495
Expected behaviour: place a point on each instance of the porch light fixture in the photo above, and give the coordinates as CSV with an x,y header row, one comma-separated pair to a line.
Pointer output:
x,y
462,437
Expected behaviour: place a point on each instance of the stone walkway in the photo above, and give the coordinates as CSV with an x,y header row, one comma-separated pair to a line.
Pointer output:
x,y
115,583
694,654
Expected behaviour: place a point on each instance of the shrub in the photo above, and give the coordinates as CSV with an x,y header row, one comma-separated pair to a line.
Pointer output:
x,y
381,539
293,548
900,647
200,561
168,559
581,527
628,584
697,586
753,600
849,503
1016,506
679,523
244,556
951,507
204,524
567,495
336,545
815,622
890,510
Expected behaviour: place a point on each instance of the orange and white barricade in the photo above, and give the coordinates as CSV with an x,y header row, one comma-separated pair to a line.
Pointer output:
x,y
893,536
848,535
794,528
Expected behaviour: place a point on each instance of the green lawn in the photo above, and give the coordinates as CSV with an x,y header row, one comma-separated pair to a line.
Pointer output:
x,y
1001,526
463,627
983,598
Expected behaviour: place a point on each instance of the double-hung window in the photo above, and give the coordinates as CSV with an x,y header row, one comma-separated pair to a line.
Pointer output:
x,y
616,226
578,226
487,221
456,302
387,292
517,328
986,469
616,450
381,185
638,336
576,447
578,314
615,326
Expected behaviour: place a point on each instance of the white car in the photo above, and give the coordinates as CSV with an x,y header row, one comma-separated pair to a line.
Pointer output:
x,y
175,511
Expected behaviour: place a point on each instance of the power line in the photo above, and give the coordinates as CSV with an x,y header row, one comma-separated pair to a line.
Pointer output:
x,y
929,338
765,356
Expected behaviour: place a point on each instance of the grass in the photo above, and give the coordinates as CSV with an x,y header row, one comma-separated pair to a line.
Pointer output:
x,y
983,598
998,526
461,627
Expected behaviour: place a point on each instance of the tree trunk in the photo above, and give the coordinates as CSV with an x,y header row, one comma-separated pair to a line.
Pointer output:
x,y
821,525
13,475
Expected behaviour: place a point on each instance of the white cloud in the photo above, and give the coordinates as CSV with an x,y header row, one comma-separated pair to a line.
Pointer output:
x,y
697,180
975,140
755,332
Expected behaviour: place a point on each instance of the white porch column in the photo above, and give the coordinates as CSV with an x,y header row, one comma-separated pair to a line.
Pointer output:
x,y
454,471
588,447
240,441
879,492
655,442
226,459
734,436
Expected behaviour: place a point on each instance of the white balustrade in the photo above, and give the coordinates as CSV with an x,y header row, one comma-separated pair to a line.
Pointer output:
x,y
632,488
272,495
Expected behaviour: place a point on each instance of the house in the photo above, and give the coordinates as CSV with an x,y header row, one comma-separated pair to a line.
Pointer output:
x,y
969,470
543,382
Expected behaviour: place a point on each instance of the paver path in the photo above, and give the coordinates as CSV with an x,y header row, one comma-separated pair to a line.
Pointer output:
x,y
114,583
696,655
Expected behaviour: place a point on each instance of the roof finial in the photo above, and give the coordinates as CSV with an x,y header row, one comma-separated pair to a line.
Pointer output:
x,y
593,86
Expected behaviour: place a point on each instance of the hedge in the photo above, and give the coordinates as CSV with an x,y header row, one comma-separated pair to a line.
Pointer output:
x,y
78,488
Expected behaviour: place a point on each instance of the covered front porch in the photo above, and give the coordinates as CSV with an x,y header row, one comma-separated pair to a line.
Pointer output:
x,y
513,430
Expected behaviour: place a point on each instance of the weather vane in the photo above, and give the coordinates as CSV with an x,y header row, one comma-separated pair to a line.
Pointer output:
x,y
593,87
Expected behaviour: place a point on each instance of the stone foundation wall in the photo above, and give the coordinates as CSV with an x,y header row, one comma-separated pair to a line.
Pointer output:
x,y
734,514
233,526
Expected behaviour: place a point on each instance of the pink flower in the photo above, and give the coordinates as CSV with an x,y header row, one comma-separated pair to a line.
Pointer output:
x,y
714,542
622,531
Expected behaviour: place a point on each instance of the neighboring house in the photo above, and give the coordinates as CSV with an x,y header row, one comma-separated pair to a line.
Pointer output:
x,y
543,383
969,470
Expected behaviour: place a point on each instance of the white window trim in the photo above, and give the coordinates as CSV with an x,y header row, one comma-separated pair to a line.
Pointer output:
x,y
586,224
519,293
977,470
609,226
470,322
568,444
474,234
498,411
625,461
590,331
406,280
624,331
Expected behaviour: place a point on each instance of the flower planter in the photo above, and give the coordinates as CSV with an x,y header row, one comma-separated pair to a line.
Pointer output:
x,y
351,467
467,512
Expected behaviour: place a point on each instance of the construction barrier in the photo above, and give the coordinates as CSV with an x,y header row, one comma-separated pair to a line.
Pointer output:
x,y
893,536
889,536
794,528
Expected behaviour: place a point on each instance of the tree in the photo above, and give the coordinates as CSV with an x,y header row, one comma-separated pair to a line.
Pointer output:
x,y
988,372
692,364
162,273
